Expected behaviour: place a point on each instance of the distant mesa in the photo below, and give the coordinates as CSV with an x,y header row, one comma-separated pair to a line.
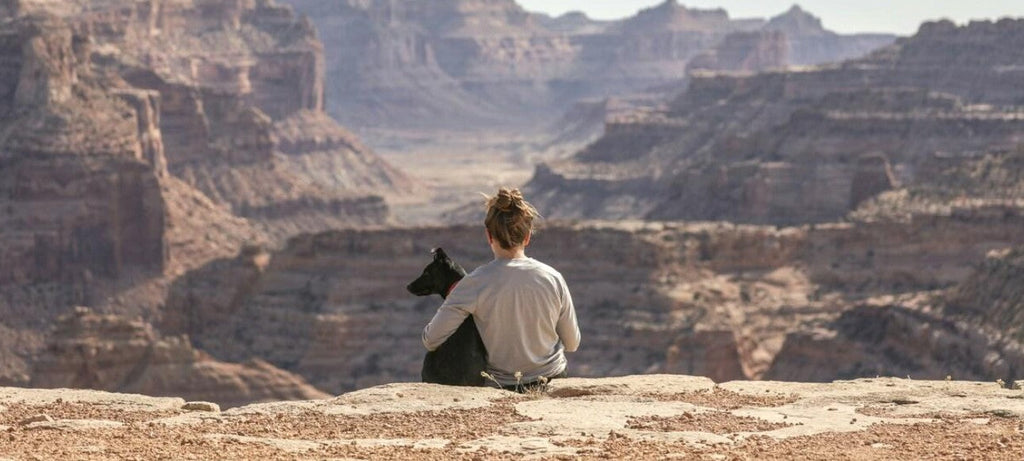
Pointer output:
x,y
797,21
469,65
670,15
788,147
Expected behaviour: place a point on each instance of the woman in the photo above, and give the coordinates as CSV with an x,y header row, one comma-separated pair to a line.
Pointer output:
x,y
521,306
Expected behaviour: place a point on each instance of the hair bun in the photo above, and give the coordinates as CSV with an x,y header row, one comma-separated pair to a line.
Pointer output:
x,y
508,200
509,217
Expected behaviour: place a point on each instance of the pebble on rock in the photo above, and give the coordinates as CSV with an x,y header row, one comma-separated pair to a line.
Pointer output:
x,y
201,406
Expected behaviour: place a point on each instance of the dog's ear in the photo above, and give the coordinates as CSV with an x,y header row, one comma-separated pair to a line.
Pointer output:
x,y
439,253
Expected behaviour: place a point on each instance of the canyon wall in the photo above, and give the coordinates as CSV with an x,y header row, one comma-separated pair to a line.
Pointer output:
x,y
971,330
492,64
231,77
79,183
993,294
142,139
716,299
789,147
113,353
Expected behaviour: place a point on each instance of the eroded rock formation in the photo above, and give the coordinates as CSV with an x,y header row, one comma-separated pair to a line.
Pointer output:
x,y
113,353
229,77
492,64
790,147
745,52
716,299
142,139
970,331
994,295
80,180
809,43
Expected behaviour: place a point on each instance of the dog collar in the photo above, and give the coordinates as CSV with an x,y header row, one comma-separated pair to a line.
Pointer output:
x,y
450,288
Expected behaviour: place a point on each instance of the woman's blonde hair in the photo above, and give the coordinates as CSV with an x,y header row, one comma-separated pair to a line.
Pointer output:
x,y
509,218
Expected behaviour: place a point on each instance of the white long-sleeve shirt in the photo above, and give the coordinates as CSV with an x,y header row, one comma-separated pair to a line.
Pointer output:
x,y
524,313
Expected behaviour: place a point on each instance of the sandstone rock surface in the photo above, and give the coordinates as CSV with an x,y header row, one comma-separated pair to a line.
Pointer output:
x,y
112,353
633,416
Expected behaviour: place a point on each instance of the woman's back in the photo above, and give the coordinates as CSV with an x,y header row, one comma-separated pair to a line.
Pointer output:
x,y
525,316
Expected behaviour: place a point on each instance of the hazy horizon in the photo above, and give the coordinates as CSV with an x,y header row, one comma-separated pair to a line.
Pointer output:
x,y
891,16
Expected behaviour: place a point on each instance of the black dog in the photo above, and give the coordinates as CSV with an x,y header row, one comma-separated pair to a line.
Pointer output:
x,y
461,358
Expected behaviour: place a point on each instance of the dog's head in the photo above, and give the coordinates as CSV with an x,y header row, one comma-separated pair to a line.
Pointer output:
x,y
437,277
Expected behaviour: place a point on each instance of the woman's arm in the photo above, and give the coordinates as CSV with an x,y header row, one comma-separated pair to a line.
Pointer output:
x,y
461,303
568,329
447,319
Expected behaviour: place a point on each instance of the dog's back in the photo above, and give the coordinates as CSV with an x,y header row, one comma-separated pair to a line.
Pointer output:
x,y
461,358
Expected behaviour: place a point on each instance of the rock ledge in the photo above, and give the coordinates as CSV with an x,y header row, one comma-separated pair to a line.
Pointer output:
x,y
648,416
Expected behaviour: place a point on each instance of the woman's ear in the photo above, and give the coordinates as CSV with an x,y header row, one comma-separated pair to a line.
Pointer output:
x,y
526,241
488,234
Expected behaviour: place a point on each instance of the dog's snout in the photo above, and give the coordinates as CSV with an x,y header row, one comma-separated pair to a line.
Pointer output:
x,y
418,288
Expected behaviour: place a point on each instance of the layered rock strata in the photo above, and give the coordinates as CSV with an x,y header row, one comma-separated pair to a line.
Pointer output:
x,y
715,299
80,183
801,146
745,52
225,77
116,117
113,353
492,64
970,331
992,296
809,43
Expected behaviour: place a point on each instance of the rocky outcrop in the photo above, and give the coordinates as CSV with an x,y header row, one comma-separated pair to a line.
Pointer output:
x,y
745,52
791,147
113,353
994,295
78,187
113,114
809,43
898,340
970,331
453,64
216,108
80,183
659,416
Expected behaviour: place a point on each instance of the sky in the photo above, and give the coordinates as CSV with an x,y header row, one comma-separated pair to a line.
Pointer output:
x,y
844,16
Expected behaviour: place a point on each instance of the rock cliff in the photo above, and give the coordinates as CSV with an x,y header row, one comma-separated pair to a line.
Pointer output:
x,y
142,139
809,43
993,295
716,299
969,331
790,147
112,353
229,77
745,52
80,175
404,64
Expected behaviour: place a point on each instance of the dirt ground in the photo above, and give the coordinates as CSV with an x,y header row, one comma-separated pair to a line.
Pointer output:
x,y
643,417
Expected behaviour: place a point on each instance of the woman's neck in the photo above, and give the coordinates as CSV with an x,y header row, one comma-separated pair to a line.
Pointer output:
x,y
514,253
